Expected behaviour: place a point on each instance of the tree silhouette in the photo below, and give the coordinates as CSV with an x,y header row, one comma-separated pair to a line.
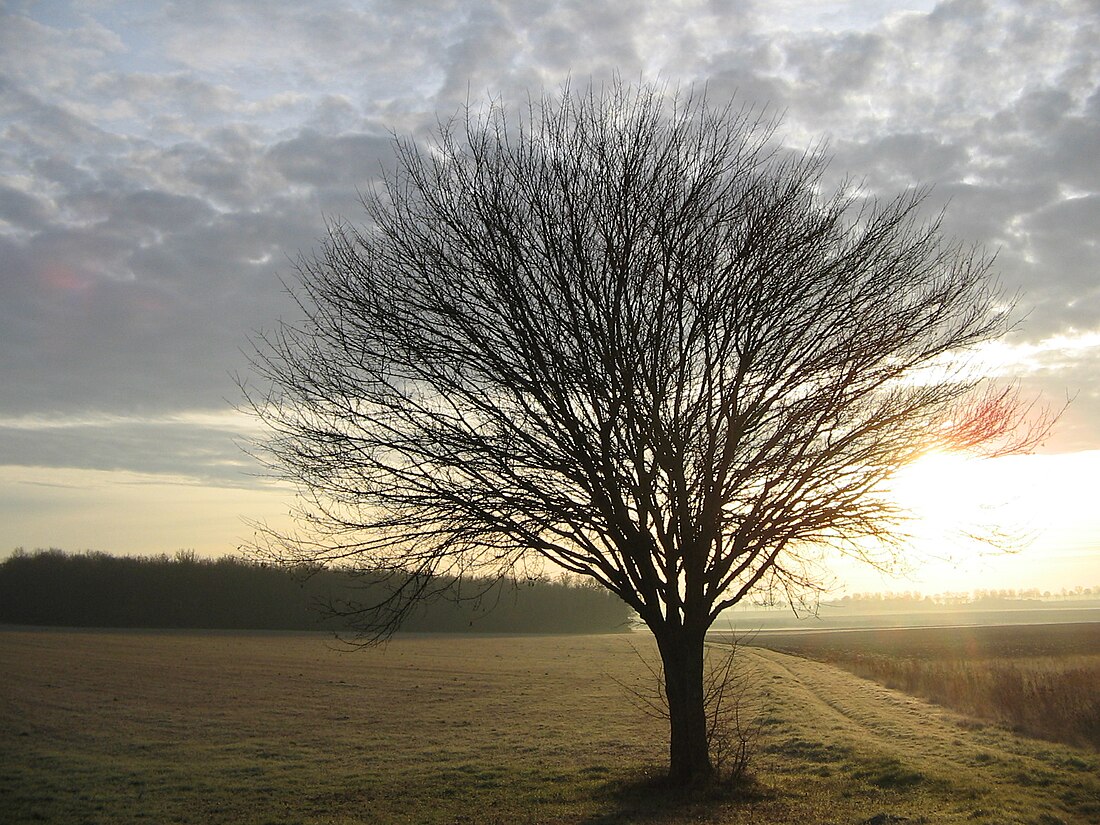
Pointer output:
x,y
626,333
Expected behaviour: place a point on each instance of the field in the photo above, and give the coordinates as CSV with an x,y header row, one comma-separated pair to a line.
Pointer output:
x,y
1042,680
190,727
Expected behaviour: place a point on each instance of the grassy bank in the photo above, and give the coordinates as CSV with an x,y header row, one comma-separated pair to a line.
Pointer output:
x,y
1040,679
190,727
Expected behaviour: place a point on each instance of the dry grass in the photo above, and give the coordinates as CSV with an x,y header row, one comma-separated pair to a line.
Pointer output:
x,y
1051,698
1041,680
279,728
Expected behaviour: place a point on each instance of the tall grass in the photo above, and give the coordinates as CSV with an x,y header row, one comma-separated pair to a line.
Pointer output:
x,y
1041,680
1055,698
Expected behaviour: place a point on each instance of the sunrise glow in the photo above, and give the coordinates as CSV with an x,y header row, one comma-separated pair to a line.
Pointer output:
x,y
1030,518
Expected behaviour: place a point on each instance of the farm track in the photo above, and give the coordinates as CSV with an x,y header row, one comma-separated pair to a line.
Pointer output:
x,y
856,707
915,743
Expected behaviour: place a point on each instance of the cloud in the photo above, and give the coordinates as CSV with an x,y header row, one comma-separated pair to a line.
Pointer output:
x,y
35,54
161,168
135,98
324,161
197,448
23,210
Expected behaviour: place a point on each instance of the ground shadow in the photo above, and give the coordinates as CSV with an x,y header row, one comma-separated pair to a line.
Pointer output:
x,y
646,796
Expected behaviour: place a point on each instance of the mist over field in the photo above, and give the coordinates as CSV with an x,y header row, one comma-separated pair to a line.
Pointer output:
x,y
979,608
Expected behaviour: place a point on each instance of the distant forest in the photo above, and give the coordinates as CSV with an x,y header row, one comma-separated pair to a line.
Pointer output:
x,y
99,590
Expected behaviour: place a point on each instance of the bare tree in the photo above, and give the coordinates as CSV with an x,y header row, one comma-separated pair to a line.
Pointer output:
x,y
627,333
732,692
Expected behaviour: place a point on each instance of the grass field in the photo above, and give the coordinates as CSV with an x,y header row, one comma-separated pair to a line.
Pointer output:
x,y
103,727
1042,680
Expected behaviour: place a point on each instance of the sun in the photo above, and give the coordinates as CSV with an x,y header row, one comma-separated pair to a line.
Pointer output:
x,y
934,486
1012,521
955,502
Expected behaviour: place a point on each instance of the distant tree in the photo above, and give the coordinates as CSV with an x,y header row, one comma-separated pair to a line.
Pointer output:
x,y
100,590
626,333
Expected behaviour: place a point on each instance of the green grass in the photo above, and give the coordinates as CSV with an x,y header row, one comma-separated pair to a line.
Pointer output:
x,y
279,728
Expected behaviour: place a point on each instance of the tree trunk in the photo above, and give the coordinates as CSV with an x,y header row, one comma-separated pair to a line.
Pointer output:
x,y
689,752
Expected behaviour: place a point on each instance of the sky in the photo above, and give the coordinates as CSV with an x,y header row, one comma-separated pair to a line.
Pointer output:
x,y
163,163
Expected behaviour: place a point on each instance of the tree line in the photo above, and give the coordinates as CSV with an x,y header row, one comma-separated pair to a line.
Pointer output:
x,y
978,598
94,589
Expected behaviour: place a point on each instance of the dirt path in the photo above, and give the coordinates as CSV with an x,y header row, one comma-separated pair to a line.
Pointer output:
x,y
861,710
932,764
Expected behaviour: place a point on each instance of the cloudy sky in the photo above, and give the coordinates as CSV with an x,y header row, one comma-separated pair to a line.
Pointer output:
x,y
161,164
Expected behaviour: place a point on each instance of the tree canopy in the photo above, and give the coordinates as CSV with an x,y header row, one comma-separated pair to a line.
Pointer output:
x,y
630,334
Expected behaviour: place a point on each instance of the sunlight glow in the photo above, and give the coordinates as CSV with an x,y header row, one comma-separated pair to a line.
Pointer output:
x,y
996,358
936,490
130,513
976,519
